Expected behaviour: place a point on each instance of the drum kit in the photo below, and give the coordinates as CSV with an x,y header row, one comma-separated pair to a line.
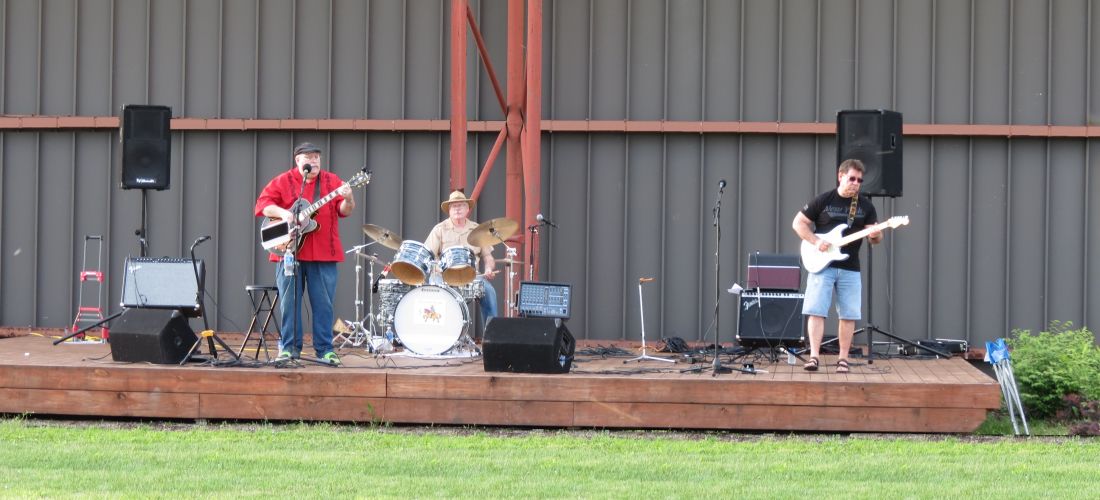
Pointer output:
x,y
424,305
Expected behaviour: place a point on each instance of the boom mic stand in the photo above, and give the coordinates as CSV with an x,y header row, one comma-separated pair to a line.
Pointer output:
x,y
211,336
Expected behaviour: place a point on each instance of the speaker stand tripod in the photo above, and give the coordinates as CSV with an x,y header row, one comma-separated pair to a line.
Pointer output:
x,y
870,328
641,316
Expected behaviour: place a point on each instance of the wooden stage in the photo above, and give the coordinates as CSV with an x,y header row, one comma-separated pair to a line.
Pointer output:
x,y
891,395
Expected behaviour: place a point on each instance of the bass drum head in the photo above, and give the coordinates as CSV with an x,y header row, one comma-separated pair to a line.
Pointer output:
x,y
430,319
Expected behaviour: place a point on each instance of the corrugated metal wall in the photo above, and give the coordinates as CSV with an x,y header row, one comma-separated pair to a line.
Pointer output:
x,y
1002,232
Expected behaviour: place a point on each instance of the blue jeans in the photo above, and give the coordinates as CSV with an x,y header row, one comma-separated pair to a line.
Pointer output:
x,y
488,302
819,293
319,281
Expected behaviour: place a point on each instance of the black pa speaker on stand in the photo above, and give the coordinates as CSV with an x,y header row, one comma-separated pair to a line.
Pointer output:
x,y
527,345
874,138
160,336
146,146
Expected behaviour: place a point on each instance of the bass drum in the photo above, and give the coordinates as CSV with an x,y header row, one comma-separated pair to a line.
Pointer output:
x,y
431,319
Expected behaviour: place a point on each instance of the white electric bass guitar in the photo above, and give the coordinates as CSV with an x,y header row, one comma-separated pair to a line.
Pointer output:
x,y
815,260
277,236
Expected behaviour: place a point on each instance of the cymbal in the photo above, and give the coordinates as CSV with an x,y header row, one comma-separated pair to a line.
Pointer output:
x,y
383,236
508,261
372,258
492,232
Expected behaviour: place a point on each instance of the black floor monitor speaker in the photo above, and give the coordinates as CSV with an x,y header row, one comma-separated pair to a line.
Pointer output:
x,y
159,336
527,345
770,319
873,137
146,138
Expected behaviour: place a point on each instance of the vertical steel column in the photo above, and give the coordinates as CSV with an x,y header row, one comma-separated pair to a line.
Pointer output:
x,y
458,94
532,172
513,181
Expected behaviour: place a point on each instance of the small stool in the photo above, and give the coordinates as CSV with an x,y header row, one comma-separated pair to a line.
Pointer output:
x,y
264,300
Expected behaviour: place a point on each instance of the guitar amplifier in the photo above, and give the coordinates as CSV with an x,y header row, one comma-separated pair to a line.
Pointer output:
x,y
163,283
770,319
774,271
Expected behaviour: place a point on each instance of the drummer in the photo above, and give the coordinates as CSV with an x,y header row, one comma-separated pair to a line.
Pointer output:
x,y
454,231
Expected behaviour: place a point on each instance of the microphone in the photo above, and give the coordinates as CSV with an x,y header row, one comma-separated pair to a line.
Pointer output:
x,y
199,240
721,185
307,168
383,274
544,220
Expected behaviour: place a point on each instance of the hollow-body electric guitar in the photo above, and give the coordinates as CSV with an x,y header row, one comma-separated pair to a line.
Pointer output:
x,y
815,260
277,235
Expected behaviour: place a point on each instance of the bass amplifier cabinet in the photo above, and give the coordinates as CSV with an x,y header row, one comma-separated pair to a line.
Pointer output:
x,y
163,283
528,345
774,271
770,319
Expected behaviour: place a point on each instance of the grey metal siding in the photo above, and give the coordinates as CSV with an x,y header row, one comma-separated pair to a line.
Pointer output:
x,y
1003,231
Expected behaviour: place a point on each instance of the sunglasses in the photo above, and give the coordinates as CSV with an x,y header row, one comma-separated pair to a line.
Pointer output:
x,y
857,180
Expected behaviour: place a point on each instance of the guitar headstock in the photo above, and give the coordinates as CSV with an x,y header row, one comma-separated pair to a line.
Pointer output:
x,y
360,178
898,220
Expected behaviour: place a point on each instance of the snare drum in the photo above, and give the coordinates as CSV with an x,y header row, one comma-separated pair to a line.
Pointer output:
x,y
390,293
413,263
457,264
431,319
470,291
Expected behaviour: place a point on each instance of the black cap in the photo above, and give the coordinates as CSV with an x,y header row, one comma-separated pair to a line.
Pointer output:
x,y
306,147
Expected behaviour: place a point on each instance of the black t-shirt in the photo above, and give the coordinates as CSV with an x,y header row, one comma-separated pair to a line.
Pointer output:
x,y
829,210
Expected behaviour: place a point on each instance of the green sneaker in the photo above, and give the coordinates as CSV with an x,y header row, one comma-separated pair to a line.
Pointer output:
x,y
331,358
284,356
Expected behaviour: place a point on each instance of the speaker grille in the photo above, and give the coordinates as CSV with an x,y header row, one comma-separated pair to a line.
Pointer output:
x,y
146,147
770,319
874,138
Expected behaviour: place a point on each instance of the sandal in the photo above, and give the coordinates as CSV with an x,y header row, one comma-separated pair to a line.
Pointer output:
x,y
811,365
842,366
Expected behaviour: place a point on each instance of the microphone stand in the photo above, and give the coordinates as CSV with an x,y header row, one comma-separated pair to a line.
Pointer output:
x,y
717,367
206,331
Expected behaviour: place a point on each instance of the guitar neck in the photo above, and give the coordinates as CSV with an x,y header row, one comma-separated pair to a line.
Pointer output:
x,y
315,206
863,232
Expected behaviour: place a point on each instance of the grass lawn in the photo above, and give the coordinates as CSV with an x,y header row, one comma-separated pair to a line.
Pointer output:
x,y
43,458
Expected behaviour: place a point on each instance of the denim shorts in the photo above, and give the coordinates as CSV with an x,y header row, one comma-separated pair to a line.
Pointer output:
x,y
819,293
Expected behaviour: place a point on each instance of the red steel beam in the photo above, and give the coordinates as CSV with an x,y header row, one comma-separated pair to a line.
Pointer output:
x,y
513,177
485,58
458,94
532,171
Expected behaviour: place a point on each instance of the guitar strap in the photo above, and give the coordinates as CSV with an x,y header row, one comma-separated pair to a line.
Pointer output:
x,y
852,210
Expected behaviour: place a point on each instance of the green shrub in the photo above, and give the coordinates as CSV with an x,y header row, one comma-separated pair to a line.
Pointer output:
x,y
1053,364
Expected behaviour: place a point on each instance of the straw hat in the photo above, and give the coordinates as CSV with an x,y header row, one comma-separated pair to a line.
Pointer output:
x,y
456,197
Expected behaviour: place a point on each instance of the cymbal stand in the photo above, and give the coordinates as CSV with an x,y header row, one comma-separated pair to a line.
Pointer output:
x,y
362,328
511,308
641,316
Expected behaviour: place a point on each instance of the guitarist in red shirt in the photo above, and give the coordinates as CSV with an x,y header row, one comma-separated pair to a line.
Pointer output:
x,y
842,205
320,249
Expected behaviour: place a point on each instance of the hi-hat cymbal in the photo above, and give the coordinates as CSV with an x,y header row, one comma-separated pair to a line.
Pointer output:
x,y
508,261
383,236
492,232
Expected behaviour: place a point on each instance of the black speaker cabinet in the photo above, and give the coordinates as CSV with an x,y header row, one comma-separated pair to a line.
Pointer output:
x,y
159,336
873,137
527,345
163,283
146,146
770,319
